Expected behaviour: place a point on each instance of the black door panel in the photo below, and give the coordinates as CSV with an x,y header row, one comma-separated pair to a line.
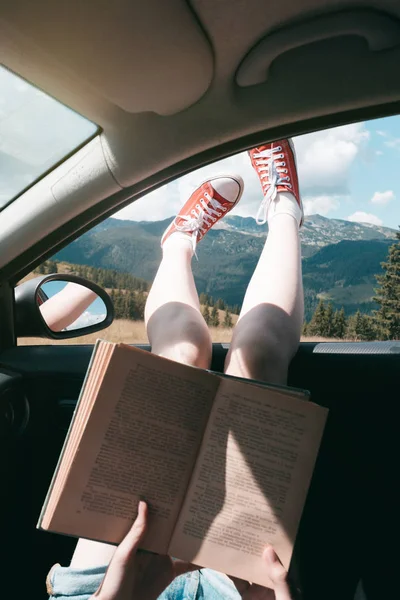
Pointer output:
x,y
350,512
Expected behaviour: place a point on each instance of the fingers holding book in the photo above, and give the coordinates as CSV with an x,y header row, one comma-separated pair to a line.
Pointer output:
x,y
138,575
133,575
278,576
122,573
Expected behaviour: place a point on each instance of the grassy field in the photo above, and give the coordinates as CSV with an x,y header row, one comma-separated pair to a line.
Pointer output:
x,y
133,332
121,330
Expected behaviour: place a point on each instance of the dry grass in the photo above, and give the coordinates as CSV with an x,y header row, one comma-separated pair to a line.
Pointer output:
x,y
134,332
121,330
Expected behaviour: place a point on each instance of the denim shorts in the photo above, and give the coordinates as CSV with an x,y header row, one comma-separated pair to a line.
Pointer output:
x,y
64,583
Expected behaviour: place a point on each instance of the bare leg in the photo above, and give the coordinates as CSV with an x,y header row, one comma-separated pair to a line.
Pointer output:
x,y
268,330
175,326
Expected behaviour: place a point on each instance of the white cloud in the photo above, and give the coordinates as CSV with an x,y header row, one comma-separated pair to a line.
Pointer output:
x,y
320,205
382,198
390,141
155,206
168,200
325,159
379,152
363,217
393,143
324,162
87,318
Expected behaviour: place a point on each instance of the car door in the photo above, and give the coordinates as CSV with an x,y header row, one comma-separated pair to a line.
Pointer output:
x,y
351,492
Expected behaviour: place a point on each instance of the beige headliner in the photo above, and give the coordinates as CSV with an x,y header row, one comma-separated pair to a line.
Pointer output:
x,y
159,77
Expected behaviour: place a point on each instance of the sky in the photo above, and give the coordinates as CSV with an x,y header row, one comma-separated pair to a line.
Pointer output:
x,y
36,132
349,172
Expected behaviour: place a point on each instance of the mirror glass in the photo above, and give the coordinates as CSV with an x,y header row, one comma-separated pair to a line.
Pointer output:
x,y
69,306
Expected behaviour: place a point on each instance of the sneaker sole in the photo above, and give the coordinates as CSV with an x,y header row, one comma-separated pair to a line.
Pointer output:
x,y
291,144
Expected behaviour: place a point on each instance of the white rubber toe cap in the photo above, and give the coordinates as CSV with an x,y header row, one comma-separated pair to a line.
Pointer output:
x,y
229,187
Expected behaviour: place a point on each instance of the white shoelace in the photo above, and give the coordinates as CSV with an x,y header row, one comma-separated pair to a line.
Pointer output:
x,y
270,176
201,220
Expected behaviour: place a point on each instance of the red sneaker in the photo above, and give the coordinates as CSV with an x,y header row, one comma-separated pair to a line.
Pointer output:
x,y
275,164
208,204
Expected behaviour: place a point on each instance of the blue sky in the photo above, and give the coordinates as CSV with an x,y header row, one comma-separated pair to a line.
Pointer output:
x,y
377,169
36,131
349,172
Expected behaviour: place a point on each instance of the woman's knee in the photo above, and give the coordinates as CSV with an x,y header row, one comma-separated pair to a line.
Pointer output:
x,y
262,355
178,332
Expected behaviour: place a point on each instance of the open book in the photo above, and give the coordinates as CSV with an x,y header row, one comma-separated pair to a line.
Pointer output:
x,y
224,464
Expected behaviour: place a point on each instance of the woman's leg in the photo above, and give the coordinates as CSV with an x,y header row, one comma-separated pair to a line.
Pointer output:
x,y
175,326
268,331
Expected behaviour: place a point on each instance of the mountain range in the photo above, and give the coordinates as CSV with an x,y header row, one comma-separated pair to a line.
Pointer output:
x,y
340,258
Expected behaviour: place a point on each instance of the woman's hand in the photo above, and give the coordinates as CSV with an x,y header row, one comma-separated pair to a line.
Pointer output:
x,y
144,576
278,576
138,576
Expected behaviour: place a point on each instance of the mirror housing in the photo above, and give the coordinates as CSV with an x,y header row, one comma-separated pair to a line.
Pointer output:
x,y
29,321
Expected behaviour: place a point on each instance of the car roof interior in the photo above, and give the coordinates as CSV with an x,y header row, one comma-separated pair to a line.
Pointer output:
x,y
174,85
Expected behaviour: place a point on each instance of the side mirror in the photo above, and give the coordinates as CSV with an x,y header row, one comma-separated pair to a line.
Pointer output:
x,y
60,307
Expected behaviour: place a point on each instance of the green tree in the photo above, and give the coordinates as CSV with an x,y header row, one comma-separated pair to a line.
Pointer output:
x,y
132,308
50,266
387,317
112,298
318,325
203,298
339,324
214,317
140,302
369,330
304,329
329,321
126,305
353,326
206,313
227,322
220,304
361,327
118,304
40,269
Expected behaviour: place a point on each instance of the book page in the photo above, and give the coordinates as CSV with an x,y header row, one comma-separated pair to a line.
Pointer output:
x,y
141,441
250,481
